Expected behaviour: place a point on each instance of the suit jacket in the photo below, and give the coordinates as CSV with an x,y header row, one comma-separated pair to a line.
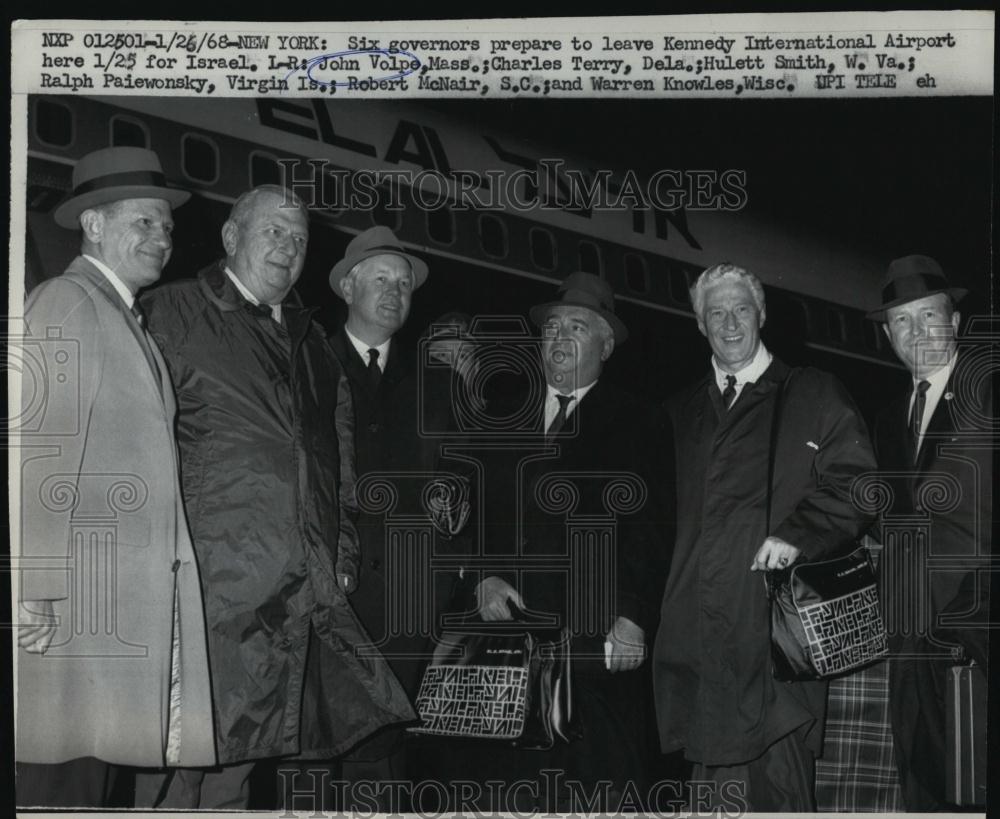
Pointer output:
x,y
935,528
103,534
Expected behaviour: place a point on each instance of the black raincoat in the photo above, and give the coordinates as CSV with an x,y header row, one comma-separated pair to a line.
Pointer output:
x,y
265,430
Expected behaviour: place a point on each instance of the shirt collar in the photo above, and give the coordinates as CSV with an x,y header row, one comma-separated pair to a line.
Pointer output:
x,y
127,295
362,348
250,297
750,373
578,394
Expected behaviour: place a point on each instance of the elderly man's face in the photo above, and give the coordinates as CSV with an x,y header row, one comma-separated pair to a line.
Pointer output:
x,y
378,294
573,347
268,248
922,333
133,239
731,322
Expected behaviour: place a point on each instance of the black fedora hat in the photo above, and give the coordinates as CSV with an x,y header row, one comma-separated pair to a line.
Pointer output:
x,y
376,241
585,290
911,278
112,174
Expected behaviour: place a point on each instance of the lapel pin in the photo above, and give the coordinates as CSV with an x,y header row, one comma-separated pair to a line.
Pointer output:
x,y
948,396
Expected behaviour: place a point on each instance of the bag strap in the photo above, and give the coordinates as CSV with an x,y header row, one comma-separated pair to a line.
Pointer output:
x,y
771,582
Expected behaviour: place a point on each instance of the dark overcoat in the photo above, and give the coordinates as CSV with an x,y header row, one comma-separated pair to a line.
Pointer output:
x,y
715,694
265,431
936,527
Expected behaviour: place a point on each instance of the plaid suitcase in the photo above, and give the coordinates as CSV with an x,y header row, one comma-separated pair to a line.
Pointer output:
x,y
965,735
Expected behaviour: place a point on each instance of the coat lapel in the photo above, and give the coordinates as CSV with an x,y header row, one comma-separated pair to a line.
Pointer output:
x,y
157,366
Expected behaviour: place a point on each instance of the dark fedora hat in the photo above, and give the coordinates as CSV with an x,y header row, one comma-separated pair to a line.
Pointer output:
x,y
112,174
376,241
585,290
911,278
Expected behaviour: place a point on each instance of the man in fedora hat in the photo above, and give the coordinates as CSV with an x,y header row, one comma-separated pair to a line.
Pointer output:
x,y
591,434
265,432
934,438
103,533
377,278
752,739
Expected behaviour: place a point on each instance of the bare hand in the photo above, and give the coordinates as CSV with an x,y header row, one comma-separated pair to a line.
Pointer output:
x,y
774,554
628,646
492,595
36,625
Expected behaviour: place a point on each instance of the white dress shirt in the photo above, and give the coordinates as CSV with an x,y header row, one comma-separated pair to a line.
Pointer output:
x,y
552,403
127,295
362,348
748,375
250,297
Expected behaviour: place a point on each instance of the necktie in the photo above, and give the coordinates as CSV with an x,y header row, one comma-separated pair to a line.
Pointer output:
x,y
560,417
374,371
729,393
917,415
140,315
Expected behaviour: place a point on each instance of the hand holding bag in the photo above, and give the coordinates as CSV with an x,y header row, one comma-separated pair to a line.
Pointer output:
x,y
825,615
508,680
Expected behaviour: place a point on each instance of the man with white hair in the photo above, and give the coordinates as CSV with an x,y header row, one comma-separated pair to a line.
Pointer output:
x,y
715,694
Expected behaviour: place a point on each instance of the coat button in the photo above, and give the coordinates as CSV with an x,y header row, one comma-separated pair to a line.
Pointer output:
x,y
176,566
376,564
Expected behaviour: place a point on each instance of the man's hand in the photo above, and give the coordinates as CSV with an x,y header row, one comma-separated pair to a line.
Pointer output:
x,y
774,554
627,646
36,625
492,595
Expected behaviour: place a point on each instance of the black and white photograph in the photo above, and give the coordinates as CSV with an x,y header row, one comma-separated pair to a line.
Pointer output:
x,y
560,416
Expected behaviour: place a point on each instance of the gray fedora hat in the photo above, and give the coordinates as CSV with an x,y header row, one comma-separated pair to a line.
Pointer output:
x,y
112,174
376,241
911,278
585,290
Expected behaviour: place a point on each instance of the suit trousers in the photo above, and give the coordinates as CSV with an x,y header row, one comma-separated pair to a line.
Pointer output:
x,y
780,779
80,783
223,787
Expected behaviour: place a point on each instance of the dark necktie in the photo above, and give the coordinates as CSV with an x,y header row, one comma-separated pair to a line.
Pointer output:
x,y
374,372
140,319
729,393
560,418
917,414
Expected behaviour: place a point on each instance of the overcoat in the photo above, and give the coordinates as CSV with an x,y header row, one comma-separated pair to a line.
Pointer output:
x,y
265,432
583,526
99,483
935,529
398,437
715,694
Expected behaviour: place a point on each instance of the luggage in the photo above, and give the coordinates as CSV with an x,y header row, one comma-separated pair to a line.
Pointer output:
x,y
965,735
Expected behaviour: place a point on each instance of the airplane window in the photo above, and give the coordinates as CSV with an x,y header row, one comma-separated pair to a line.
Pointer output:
x,y
200,158
590,258
543,248
441,225
835,325
677,284
53,123
128,132
493,236
636,273
872,334
264,169
380,214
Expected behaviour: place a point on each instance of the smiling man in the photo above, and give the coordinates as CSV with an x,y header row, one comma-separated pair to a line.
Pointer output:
x,y
265,430
715,695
